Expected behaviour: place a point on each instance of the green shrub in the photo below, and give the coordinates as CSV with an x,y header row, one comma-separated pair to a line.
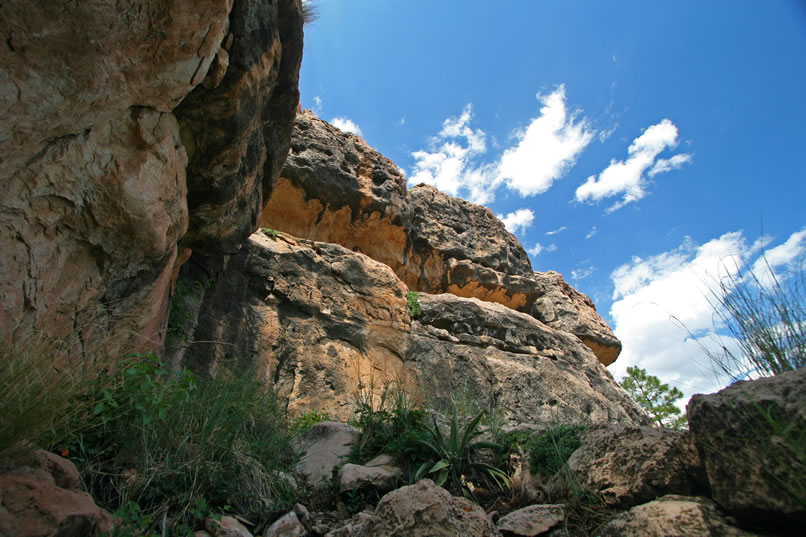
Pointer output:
x,y
166,440
548,452
271,233
413,301
308,419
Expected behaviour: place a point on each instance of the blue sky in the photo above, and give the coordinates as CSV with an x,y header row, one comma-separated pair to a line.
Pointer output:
x,y
632,146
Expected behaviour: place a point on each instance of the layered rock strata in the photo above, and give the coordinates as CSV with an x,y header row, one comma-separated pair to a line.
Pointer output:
x,y
324,323
99,166
335,188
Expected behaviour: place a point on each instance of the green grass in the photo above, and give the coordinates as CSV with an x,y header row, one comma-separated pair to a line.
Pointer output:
x,y
413,302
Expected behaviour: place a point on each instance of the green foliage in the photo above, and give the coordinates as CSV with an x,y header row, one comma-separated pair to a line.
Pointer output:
x,y
452,459
308,420
656,398
765,315
548,452
166,440
186,294
271,233
389,421
413,301
133,522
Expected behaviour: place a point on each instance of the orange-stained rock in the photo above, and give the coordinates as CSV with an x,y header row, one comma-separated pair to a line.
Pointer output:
x,y
335,188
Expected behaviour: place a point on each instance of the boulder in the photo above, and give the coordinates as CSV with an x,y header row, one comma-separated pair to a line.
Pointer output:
x,y
326,323
40,496
287,525
531,521
381,477
325,447
751,437
335,188
97,172
681,516
420,510
631,465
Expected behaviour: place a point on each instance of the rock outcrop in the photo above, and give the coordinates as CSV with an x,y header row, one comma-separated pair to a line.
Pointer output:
x,y
97,173
335,188
40,495
751,437
628,465
324,322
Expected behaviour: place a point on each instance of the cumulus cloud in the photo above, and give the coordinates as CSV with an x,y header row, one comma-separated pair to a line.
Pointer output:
x,y
520,220
543,152
767,267
449,163
626,178
346,124
546,149
661,309
558,230
538,249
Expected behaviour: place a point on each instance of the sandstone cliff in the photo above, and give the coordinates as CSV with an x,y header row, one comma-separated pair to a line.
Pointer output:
x,y
130,133
335,188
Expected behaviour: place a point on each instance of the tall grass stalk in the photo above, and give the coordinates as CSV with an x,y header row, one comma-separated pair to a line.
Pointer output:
x,y
43,386
766,316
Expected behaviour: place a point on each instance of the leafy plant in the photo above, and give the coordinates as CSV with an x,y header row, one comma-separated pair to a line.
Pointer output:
x,y
655,397
308,419
413,302
549,451
452,459
187,293
271,233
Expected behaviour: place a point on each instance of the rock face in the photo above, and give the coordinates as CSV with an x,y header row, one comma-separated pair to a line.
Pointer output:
x,y
325,322
335,188
94,191
531,521
40,496
421,510
325,446
751,437
680,516
632,465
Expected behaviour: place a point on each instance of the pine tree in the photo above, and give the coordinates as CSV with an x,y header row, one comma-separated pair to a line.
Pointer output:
x,y
656,398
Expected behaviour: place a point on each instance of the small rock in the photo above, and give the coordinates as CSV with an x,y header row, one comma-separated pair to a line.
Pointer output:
x,y
304,516
355,476
531,521
286,526
227,526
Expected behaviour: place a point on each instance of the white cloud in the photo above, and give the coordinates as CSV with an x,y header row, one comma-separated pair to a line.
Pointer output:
x,y
558,230
662,313
401,121
580,273
538,249
544,152
346,125
594,230
604,135
783,255
520,220
448,165
626,177
317,105
546,149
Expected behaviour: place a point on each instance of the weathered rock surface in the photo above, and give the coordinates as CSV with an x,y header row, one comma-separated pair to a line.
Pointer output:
x,y
287,525
421,510
531,521
325,322
226,526
631,465
93,185
751,437
335,188
40,496
680,516
378,474
325,446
